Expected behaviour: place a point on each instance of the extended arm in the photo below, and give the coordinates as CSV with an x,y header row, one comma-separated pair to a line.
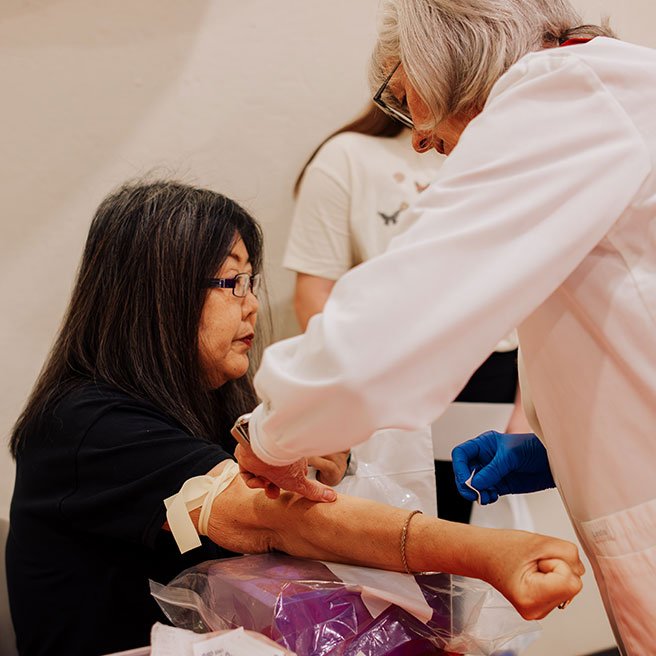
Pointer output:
x,y
510,218
535,573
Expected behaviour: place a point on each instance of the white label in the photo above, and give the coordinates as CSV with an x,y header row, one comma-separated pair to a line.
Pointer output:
x,y
235,643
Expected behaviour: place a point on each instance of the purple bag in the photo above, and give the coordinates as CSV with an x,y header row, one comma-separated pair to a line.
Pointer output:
x,y
303,606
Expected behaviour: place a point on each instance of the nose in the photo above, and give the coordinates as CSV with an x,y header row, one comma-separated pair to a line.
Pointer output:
x,y
250,304
421,142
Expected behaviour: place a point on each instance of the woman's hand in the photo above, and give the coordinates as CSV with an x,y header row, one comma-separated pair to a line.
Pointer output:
x,y
534,572
259,474
330,469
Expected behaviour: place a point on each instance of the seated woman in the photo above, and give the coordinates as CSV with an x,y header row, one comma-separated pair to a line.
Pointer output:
x,y
138,395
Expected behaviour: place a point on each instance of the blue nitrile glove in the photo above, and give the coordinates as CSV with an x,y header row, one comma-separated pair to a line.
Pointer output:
x,y
504,464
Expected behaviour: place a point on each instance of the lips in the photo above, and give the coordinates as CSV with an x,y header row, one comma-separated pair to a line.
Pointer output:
x,y
246,339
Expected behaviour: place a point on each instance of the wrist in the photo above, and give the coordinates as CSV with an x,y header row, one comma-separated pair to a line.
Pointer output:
x,y
441,546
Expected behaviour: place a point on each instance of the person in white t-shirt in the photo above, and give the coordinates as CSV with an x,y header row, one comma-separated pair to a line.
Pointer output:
x,y
350,198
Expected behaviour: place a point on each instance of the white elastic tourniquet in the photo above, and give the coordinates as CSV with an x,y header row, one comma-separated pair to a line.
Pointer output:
x,y
197,492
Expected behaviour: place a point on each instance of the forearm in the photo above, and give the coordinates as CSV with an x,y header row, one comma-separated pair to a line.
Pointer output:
x,y
349,530
362,532
534,572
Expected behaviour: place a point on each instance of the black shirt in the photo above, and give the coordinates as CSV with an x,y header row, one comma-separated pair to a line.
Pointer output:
x,y
86,523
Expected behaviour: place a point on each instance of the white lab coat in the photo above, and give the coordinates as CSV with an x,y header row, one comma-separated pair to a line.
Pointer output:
x,y
543,217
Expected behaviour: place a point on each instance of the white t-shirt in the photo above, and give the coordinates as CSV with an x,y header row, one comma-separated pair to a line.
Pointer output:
x,y
543,216
351,200
350,205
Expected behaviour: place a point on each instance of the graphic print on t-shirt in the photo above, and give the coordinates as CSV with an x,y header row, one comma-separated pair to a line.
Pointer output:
x,y
390,219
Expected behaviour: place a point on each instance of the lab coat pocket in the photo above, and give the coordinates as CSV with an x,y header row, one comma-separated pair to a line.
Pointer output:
x,y
624,544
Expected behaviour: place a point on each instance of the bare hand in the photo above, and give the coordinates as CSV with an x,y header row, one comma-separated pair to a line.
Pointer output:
x,y
536,573
259,474
331,468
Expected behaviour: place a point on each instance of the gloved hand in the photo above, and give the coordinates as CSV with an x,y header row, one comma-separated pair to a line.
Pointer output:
x,y
504,464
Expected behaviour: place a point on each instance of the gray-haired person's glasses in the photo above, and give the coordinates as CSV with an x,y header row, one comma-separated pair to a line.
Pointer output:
x,y
391,106
241,284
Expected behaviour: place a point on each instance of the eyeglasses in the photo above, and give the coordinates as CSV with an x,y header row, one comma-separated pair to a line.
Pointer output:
x,y
241,284
398,112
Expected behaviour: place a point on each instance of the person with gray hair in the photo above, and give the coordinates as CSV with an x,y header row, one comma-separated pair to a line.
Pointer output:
x,y
542,217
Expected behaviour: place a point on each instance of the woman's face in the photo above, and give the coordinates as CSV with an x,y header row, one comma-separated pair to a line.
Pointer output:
x,y
227,324
445,136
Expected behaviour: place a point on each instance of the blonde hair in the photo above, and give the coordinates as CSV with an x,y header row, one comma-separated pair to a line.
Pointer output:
x,y
454,51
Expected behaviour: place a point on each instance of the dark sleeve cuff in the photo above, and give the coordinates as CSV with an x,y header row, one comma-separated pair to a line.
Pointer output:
x,y
200,462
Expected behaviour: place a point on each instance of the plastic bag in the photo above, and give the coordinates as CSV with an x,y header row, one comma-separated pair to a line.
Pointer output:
x,y
394,467
303,606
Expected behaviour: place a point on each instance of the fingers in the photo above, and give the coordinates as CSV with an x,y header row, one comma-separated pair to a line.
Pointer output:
x,y
488,492
490,479
272,491
547,565
313,490
466,493
560,582
462,458
254,482
329,471
554,550
472,455
462,471
553,585
290,477
488,496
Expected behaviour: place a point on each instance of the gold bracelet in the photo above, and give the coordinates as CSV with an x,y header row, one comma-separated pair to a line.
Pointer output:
x,y
404,535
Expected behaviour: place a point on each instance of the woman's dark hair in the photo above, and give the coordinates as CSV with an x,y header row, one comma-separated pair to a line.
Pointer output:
x,y
373,122
133,318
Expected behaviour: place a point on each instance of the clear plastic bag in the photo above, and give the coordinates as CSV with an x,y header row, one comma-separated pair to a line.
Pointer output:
x,y
303,606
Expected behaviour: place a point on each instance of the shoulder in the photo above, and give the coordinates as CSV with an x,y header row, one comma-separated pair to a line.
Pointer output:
x,y
91,400
351,155
100,422
594,64
353,146
100,411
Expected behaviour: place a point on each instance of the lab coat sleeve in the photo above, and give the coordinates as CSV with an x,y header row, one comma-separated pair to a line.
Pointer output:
x,y
536,181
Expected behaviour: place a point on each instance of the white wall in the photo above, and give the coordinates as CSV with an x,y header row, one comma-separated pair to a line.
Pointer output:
x,y
232,94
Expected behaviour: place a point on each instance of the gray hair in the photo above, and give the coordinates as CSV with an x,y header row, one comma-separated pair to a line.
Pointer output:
x,y
454,51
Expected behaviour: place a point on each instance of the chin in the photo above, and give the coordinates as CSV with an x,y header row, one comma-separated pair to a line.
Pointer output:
x,y
225,371
235,373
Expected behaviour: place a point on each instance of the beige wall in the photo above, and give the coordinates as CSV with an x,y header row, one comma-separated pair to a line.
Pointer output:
x,y
232,94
